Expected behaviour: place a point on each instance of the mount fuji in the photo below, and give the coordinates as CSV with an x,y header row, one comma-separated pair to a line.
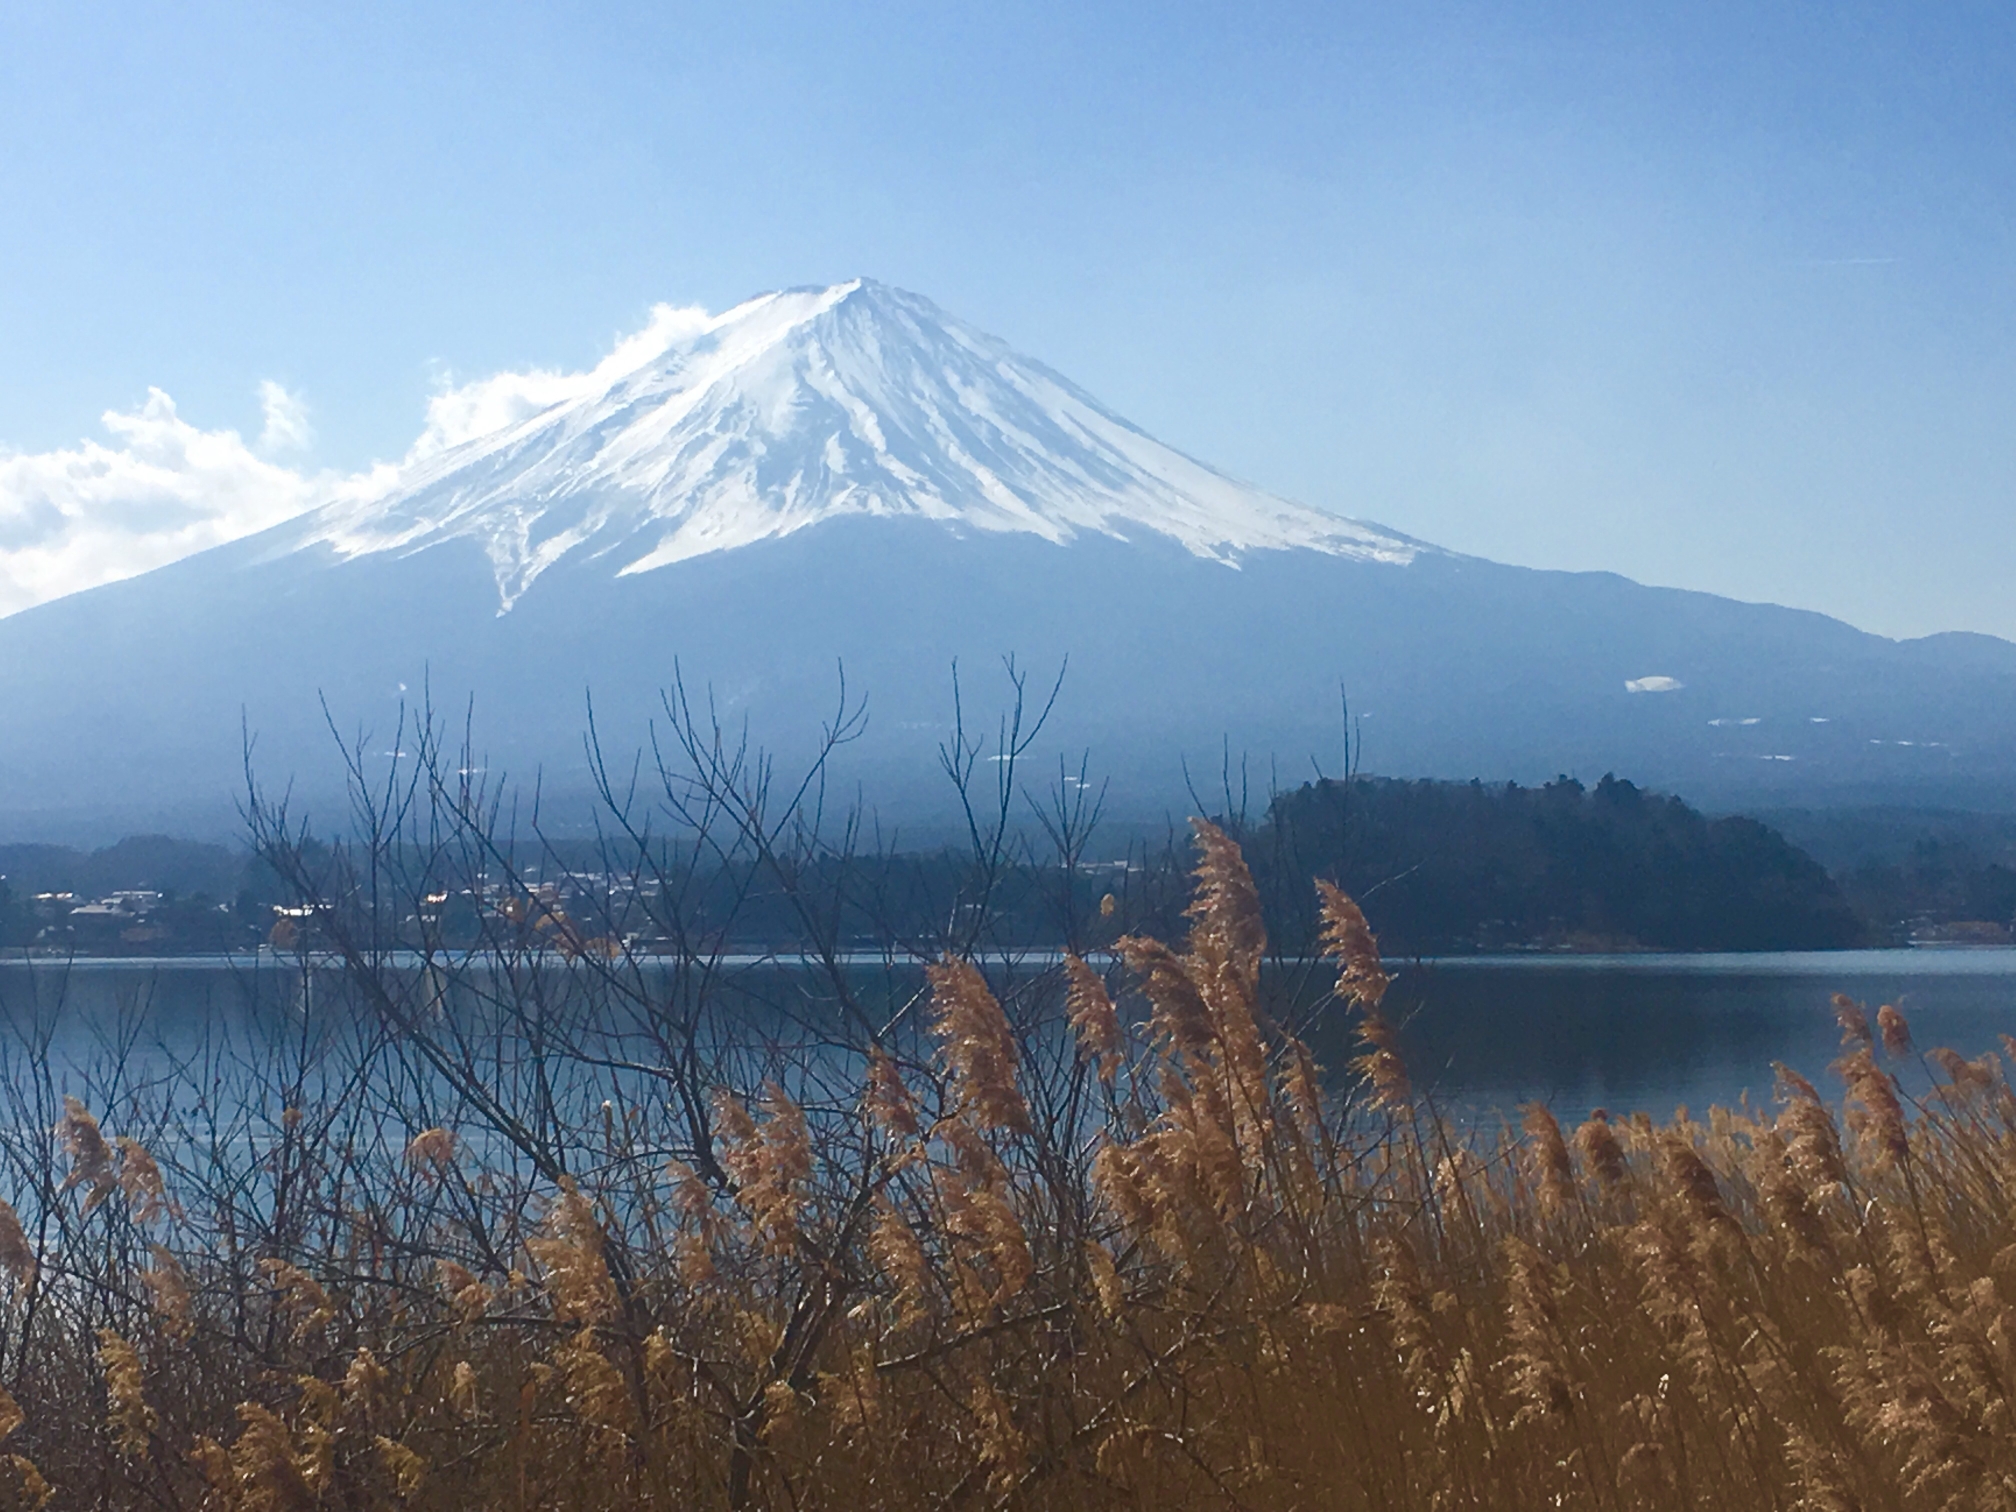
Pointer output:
x,y
850,477
808,406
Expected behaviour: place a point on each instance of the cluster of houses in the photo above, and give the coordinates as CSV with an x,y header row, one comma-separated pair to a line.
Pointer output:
x,y
117,922
143,921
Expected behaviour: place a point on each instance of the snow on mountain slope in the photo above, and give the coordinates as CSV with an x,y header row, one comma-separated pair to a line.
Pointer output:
x,y
808,405
940,467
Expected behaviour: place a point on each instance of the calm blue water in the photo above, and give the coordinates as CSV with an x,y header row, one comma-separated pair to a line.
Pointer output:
x,y
1623,1032
1656,1031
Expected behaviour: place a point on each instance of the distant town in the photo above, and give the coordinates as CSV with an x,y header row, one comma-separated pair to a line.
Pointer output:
x,y
148,921
1446,868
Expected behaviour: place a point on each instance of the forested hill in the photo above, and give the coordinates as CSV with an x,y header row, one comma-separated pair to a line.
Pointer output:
x,y
1448,866
1441,867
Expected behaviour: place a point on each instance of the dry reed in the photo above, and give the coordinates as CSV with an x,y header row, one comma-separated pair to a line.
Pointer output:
x,y
1168,1271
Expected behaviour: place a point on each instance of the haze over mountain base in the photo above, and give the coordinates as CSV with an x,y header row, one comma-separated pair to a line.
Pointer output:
x,y
127,700
850,477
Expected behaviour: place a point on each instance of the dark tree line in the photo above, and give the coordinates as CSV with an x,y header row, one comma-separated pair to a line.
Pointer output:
x,y
1938,881
1448,866
1442,866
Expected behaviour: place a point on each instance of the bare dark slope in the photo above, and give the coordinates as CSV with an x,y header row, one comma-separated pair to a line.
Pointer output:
x,y
121,707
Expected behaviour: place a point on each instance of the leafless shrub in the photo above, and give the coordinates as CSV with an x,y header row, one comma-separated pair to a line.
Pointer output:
x,y
944,1227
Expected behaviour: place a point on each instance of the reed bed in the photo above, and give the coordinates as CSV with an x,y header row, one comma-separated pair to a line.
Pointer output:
x,y
1176,1265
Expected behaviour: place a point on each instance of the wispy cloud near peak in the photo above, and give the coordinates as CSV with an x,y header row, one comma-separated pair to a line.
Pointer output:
x,y
484,406
161,488
287,428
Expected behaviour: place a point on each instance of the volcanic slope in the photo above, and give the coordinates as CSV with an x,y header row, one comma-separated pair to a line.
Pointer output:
x,y
849,477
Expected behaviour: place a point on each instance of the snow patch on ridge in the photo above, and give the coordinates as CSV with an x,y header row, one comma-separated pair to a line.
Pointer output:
x,y
707,433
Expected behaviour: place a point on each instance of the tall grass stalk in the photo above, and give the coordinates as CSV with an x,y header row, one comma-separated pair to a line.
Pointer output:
x,y
564,1230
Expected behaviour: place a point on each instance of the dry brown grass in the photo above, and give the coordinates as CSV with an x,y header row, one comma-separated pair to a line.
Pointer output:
x,y
1203,1284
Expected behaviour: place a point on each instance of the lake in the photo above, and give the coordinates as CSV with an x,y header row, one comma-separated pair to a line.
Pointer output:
x,y
1654,1032
1626,1032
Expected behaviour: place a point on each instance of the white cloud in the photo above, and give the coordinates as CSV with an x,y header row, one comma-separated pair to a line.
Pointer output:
x,y
287,427
163,489
95,513
466,411
1653,685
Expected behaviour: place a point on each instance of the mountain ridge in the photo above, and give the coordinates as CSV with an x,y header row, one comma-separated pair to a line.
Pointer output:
x,y
805,405
526,569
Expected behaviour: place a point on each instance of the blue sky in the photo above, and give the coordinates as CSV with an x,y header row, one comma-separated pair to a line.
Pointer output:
x,y
1715,296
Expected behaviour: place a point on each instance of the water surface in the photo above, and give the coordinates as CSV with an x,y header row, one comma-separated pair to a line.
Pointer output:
x,y
1657,1031
1624,1032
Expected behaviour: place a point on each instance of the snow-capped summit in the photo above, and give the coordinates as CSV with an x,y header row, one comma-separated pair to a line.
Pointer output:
x,y
847,480
796,407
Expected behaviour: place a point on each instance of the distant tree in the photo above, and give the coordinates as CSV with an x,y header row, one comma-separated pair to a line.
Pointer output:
x,y
1991,894
1445,866
16,922
1939,880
